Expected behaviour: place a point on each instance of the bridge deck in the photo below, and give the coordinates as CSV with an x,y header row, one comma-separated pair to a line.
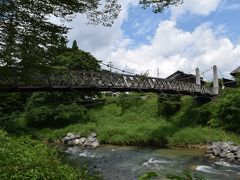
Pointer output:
x,y
100,81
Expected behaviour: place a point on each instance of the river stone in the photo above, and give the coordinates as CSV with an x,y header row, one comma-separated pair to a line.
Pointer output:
x,y
95,144
209,151
82,140
91,139
93,135
230,143
230,156
216,144
238,154
216,151
224,145
77,136
91,144
208,155
66,139
224,154
77,141
70,135
212,157
233,148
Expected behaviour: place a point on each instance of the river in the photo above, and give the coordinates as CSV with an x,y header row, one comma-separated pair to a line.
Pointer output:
x,y
128,163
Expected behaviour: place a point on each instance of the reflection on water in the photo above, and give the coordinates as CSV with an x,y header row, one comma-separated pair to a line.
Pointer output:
x,y
128,163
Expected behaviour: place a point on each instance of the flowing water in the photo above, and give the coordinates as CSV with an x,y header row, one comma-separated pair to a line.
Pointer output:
x,y
128,163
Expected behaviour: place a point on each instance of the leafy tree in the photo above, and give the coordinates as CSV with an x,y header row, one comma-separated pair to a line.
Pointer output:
x,y
74,58
54,110
228,111
159,5
74,46
27,37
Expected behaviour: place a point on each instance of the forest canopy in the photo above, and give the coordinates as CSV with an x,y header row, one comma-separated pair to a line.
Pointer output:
x,y
27,37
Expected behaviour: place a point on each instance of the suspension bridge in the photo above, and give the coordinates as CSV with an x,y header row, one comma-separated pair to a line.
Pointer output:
x,y
70,80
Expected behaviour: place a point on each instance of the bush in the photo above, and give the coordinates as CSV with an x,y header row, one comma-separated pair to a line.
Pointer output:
x,y
228,112
48,116
24,158
168,105
192,113
132,101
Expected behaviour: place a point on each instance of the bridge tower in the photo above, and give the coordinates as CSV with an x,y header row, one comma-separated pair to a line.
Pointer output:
x,y
198,78
215,80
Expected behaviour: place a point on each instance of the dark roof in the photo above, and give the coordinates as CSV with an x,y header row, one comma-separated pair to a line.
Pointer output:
x,y
236,71
180,75
229,83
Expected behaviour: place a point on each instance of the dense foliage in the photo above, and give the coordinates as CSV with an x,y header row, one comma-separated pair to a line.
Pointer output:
x,y
132,119
159,5
76,59
27,37
139,124
228,111
24,158
49,110
168,105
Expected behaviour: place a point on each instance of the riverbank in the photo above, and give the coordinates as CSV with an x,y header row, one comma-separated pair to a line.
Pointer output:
x,y
135,120
138,123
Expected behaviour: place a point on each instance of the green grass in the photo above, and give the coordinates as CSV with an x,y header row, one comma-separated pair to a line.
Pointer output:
x,y
201,135
138,125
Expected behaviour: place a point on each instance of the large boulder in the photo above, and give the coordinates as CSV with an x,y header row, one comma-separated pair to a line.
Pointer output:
x,y
226,150
75,139
70,137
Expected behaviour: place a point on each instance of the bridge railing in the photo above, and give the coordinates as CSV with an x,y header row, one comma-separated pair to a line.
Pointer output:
x,y
71,79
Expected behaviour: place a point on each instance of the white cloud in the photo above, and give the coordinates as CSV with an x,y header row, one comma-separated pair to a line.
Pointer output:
x,y
172,49
100,40
199,7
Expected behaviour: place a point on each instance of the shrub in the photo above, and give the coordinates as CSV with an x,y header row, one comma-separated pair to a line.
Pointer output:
x,y
24,158
48,116
168,105
228,112
132,101
193,113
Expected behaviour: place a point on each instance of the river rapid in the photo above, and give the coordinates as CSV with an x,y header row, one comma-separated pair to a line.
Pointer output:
x,y
128,163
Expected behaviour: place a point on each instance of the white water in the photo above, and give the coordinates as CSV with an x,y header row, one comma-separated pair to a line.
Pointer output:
x,y
128,163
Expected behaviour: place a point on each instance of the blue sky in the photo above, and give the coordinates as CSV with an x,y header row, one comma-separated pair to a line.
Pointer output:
x,y
198,33
142,23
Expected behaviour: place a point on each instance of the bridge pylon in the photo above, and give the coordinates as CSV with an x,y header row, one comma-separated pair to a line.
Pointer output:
x,y
215,81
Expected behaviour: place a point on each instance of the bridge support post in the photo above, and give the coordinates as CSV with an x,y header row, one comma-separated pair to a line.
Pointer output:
x,y
198,78
215,81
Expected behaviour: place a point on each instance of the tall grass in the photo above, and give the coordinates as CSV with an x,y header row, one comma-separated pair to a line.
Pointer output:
x,y
139,124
